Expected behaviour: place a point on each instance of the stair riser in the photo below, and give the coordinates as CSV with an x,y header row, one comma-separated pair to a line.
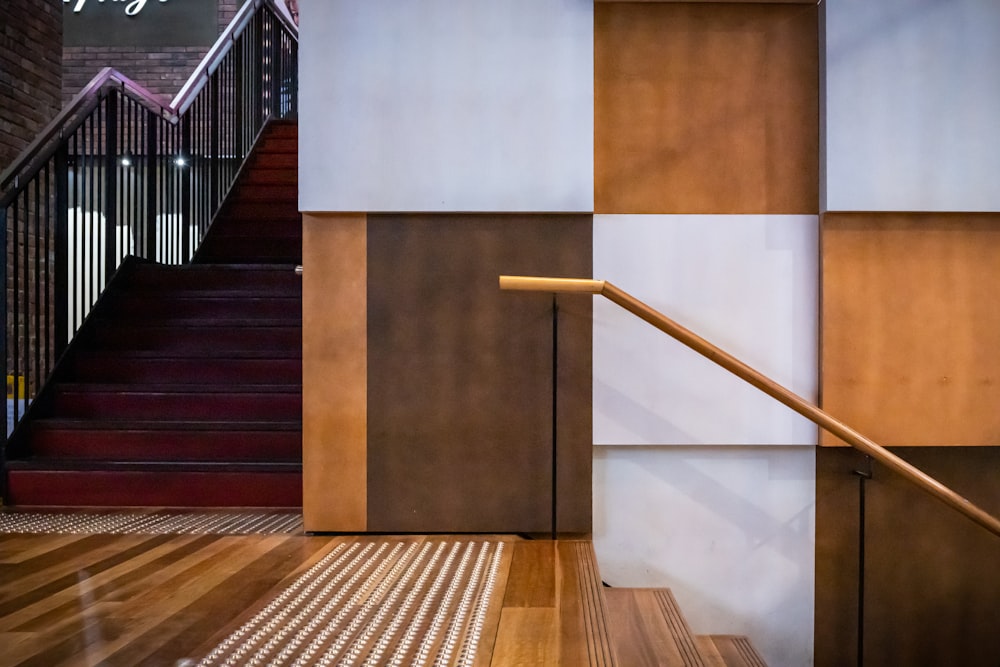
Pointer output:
x,y
205,341
240,249
283,160
154,489
259,175
254,210
170,308
286,194
278,281
277,144
186,371
225,407
165,445
270,228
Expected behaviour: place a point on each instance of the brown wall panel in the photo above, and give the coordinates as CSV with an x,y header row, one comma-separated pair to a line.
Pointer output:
x,y
931,580
334,386
706,108
911,327
460,374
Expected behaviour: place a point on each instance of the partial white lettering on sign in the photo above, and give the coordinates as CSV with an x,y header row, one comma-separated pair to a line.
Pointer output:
x,y
132,7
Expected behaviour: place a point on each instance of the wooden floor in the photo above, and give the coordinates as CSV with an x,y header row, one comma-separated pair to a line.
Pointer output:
x,y
173,599
151,588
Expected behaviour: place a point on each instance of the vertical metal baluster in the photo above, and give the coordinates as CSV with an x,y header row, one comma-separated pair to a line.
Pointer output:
x,y
47,274
25,295
61,252
153,171
36,277
15,300
186,178
3,334
94,187
113,167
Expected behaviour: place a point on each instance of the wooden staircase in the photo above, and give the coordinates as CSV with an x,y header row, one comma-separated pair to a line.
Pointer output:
x,y
183,388
648,629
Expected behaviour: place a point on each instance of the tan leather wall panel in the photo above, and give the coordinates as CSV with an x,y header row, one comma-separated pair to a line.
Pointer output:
x,y
334,372
706,108
911,328
460,374
931,580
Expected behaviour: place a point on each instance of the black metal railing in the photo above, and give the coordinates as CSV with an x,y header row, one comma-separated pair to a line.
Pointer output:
x,y
121,173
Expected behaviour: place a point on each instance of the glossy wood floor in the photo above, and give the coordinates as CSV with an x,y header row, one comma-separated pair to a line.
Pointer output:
x,y
172,599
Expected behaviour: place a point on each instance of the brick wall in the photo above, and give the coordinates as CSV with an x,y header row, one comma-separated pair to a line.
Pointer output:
x,y
30,71
161,70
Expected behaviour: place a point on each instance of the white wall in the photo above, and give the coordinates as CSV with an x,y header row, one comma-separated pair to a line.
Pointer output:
x,y
438,105
730,530
746,283
912,101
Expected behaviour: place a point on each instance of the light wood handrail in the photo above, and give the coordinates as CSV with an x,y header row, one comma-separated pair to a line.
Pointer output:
x,y
762,382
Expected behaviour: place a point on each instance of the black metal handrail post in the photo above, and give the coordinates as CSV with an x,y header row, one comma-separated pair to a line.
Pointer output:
x,y
153,169
60,255
111,163
863,477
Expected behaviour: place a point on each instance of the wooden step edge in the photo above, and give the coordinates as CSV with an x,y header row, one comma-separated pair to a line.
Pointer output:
x,y
737,651
649,628
589,591
709,651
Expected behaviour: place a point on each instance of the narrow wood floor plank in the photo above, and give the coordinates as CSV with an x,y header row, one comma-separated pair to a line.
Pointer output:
x,y
527,637
532,580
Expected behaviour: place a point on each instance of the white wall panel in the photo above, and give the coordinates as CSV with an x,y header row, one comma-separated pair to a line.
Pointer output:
x,y
731,531
436,105
912,101
746,283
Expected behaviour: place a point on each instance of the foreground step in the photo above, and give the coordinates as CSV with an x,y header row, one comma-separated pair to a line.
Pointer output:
x,y
649,629
735,650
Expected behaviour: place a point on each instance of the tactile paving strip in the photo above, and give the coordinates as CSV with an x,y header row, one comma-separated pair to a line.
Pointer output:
x,y
383,602
136,523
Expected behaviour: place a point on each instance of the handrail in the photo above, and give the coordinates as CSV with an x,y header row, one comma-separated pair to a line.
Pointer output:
x,y
199,78
762,382
72,114
23,167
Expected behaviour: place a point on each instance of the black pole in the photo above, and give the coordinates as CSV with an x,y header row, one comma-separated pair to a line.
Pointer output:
x,y
863,477
555,413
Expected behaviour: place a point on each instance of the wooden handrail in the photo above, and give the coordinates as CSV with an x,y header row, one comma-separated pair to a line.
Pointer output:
x,y
762,382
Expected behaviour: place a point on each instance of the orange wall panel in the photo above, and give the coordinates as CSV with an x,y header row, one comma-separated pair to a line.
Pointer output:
x,y
911,327
334,372
706,108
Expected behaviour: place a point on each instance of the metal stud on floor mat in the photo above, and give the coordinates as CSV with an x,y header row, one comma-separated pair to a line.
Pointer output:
x,y
137,523
387,602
